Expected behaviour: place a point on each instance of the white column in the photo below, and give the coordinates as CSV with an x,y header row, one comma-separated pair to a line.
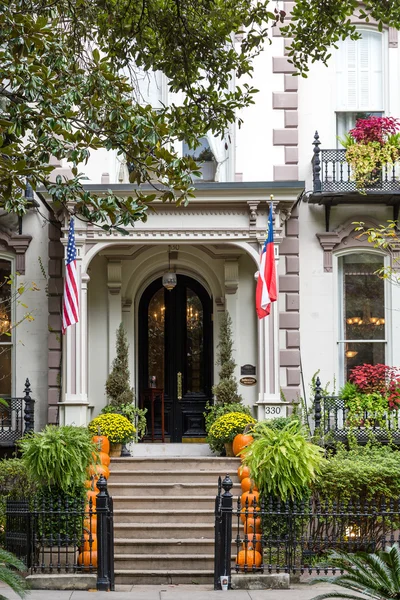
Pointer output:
x,y
114,283
74,405
269,399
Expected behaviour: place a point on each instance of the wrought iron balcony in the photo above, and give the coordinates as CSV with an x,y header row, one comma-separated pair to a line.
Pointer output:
x,y
333,182
333,174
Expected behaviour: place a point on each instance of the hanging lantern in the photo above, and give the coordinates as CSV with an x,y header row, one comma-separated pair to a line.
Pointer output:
x,y
169,279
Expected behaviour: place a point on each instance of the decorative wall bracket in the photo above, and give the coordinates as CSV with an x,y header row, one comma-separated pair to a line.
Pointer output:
x,y
231,272
18,244
114,276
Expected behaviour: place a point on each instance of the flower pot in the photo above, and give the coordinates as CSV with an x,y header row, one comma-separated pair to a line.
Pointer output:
x,y
115,450
229,449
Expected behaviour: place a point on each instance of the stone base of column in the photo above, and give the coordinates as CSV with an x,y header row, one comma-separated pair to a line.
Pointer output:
x,y
75,412
271,408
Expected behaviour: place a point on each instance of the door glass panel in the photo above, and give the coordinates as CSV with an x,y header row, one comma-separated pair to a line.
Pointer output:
x,y
194,343
156,333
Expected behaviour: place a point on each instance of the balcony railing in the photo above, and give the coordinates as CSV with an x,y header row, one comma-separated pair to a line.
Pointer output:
x,y
333,174
16,417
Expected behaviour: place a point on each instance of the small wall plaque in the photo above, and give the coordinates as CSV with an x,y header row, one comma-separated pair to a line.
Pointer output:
x,y
248,381
248,370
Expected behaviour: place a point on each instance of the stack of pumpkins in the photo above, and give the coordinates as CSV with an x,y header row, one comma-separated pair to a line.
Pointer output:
x,y
250,557
88,550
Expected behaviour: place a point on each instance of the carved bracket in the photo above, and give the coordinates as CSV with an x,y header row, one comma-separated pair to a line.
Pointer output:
x,y
231,272
253,204
114,276
18,244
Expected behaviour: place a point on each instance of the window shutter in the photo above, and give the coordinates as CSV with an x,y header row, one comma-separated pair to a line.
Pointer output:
x,y
359,73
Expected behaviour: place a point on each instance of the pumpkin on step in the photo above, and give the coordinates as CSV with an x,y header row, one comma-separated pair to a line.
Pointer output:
x,y
87,558
253,542
90,543
249,498
90,523
102,443
241,441
252,525
243,472
250,558
248,512
248,485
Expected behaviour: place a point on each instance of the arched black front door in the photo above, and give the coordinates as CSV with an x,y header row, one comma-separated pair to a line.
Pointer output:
x,y
175,353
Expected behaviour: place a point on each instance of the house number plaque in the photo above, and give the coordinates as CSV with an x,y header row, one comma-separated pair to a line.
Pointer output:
x,y
248,370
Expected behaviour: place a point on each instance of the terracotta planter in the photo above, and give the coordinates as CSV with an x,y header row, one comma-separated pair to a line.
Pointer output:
x,y
115,450
228,449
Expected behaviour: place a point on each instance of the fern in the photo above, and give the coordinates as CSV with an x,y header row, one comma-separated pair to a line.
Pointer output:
x,y
10,567
282,462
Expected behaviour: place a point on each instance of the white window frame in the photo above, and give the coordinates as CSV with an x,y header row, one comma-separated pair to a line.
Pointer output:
x,y
338,310
385,80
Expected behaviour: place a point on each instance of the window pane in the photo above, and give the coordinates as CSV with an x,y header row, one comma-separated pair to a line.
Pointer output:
x,y
5,300
156,333
364,297
194,343
5,371
371,353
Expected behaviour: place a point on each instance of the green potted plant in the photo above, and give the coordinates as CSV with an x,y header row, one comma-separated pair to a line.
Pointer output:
x,y
117,428
226,427
372,143
121,398
371,395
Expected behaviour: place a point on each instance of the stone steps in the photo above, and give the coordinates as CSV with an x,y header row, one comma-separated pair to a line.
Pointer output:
x,y
164,517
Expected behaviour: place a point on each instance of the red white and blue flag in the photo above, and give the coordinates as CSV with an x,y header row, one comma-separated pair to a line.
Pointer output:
x,y
70,312
266,282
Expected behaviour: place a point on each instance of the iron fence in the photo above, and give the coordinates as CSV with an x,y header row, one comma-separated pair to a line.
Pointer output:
x,y
297,537
332,172
64,535
17,418
333,421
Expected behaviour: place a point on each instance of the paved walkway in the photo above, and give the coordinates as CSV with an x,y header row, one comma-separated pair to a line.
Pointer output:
x,y
179,592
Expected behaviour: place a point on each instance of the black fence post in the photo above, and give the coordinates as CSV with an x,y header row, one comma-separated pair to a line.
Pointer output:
x,y
317,403
226,528
29,410
217,537
103,545
317,164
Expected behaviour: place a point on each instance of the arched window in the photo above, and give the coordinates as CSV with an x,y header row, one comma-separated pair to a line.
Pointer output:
x,y
359,79
6,340
362,323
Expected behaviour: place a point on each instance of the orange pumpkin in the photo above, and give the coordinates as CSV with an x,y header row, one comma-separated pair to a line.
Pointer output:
x,y
241,441
87,558
91,542
243,472
90,523
104,459
88,484
252,525
249,497
91,495
97,470
247,484
102,443
248,512
251,558
253,542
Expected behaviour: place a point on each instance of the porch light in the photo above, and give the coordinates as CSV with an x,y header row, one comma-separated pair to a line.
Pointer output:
x,y
169,278
351,353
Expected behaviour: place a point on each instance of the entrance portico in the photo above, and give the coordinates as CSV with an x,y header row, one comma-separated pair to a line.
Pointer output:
x,y
213,247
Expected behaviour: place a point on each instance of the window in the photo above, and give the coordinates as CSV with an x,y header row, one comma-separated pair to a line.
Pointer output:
x,y
5,329
362,331
347,120
359,73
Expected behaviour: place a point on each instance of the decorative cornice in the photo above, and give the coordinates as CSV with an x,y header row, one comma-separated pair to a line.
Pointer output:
x,y
18,244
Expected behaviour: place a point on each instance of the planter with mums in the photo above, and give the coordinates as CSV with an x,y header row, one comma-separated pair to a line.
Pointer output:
x,y
117,428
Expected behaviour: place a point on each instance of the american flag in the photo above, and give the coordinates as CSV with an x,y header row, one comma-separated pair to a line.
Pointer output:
x,y
266,282
70,313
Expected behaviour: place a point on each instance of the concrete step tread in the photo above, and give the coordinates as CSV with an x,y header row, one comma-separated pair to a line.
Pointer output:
x,y
166,541
158,472
181,557
163,572
164,484
164,525
141,511
180,459
171,499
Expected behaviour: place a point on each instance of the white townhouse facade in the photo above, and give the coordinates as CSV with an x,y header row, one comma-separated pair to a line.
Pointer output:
x,y
332,312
